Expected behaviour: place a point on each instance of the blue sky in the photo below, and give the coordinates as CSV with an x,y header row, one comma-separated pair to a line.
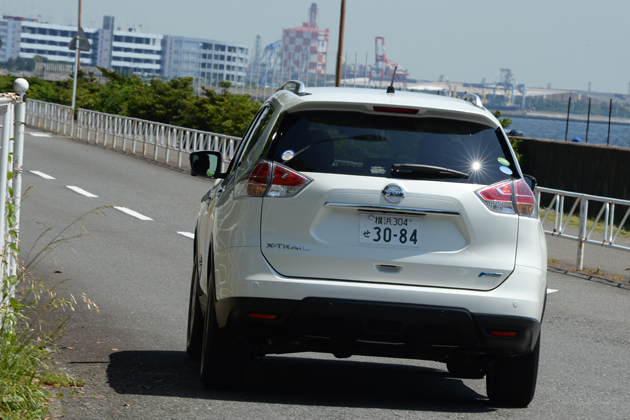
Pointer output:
x,y
567,44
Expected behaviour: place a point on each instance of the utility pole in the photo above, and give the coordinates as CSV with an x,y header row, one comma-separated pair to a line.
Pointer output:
x,y
342,20
78,51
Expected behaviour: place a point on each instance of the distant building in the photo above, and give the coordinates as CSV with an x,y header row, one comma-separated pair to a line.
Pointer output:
x,y
305,49
126,51
46,40
136,52
105,39
205,59
10,36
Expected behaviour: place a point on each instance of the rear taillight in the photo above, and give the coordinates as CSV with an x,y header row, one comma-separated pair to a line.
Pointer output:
x,y
525,201
259,179
510,197
285,183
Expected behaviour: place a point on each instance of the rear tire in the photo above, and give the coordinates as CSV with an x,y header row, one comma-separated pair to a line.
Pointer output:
x,y
194,332
511,381
223,357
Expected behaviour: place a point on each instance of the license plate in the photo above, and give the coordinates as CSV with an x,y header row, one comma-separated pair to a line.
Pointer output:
x,y
390,230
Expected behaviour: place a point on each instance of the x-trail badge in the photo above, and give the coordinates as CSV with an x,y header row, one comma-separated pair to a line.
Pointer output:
x,y
394,193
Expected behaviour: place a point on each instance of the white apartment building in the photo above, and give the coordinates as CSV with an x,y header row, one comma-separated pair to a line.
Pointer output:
x,y
126,51
51,41
136,52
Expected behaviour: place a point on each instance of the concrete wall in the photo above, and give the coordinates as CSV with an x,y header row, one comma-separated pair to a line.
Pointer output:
x,y
578,167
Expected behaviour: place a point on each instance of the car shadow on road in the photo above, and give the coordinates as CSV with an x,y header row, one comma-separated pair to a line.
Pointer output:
x,y
300,381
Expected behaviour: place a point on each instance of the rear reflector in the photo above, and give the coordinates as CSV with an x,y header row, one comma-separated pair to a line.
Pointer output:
x,y
510,197
410,111
503,333
262,316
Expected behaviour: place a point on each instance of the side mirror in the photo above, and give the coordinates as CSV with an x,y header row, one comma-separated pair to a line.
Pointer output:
x,y
531,182
205,163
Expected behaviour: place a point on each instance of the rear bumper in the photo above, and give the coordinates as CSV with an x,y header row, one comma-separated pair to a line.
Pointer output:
x,y
349,327
243,273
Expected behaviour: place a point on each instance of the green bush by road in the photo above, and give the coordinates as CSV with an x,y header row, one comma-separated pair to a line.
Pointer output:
x,y
169,102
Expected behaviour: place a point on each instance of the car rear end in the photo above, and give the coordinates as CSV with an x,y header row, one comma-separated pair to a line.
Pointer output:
x,y
390,224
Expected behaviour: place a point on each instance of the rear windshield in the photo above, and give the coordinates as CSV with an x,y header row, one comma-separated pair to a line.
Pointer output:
x,y
393,146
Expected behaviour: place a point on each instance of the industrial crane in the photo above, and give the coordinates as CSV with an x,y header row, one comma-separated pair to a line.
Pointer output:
x,y
266,59
383,68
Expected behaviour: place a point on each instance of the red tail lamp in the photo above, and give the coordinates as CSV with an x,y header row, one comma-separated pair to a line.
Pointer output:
x,y
255,315
503,333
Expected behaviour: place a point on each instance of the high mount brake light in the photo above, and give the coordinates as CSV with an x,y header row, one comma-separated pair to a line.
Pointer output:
x,y
285,183
510,197
395,110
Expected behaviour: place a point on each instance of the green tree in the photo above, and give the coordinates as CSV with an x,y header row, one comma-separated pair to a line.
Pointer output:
x,y
168,102
223,113
505,122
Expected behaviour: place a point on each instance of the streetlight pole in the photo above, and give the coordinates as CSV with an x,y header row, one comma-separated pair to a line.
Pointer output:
x,y
77,63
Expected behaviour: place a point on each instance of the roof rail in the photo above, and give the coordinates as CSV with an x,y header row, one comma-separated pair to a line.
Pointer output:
x,y
295,86
474,99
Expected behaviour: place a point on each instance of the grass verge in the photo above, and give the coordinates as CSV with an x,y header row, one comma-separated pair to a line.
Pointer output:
x,y
30,326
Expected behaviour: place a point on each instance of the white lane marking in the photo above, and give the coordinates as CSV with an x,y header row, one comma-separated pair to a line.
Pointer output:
x,y
43,175
132,213
187,234
39,134
549,291
81,191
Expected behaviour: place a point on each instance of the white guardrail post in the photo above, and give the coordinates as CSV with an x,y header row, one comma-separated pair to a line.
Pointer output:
x,y
12,108
21,87
582,232
583,200
6,110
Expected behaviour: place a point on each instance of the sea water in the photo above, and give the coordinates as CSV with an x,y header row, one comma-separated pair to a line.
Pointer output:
x,y
539,128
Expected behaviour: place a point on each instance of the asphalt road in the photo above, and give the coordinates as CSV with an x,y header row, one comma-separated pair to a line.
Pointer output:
x,y
132,353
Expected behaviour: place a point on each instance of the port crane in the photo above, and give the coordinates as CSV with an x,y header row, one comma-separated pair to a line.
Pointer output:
x,y
383,68
267,61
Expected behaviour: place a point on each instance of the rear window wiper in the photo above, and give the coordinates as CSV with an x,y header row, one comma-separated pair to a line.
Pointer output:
x,y
411,169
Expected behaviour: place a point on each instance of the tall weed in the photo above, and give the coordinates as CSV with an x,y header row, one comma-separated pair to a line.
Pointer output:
x,y
30,325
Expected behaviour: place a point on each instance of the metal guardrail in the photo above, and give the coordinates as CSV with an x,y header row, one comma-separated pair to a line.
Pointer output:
x,y
157,140
582,200
53,117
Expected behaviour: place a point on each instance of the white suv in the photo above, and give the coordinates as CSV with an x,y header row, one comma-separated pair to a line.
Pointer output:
x,y
360,222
